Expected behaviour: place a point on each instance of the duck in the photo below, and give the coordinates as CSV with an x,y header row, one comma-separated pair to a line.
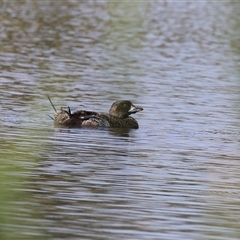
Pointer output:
x,y
118,117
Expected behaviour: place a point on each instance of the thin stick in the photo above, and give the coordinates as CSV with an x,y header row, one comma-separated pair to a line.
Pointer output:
x,y
51,103
50,117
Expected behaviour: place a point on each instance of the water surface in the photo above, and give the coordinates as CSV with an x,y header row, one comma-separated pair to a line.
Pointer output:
x,y
177,176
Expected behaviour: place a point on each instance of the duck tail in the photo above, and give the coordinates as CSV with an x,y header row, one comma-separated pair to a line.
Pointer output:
x,y
51,103
68,112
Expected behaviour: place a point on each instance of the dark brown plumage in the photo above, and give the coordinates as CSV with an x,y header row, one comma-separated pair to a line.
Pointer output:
x,y
118,117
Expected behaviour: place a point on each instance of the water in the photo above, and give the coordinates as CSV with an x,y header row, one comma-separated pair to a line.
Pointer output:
x,y
177,176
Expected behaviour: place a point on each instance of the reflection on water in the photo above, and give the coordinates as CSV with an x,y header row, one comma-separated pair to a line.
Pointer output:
x,y
177,176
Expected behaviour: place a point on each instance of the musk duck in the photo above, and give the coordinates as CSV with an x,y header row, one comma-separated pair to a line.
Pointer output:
x,y
118,116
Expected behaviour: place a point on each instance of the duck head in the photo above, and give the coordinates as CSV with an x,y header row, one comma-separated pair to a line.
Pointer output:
x,y
122,109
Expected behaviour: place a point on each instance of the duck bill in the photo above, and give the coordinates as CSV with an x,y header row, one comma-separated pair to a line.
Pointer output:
x,y
134,109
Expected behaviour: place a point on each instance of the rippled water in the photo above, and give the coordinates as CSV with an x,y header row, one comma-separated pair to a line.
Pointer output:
x,y
177,176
